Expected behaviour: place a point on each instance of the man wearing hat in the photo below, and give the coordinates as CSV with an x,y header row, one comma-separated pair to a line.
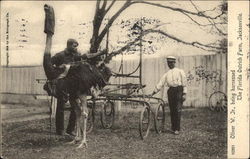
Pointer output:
x,y
175,79
66,56
57,68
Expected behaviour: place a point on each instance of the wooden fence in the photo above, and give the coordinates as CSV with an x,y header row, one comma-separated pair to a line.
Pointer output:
x,y
205,74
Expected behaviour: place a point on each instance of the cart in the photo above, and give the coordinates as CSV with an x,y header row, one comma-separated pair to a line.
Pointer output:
x,y
147,113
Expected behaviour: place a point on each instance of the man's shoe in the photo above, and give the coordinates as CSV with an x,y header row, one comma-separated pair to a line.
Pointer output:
x,y
170,131
176,132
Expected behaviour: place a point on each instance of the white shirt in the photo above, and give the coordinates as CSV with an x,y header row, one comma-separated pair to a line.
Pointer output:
x,y
173,78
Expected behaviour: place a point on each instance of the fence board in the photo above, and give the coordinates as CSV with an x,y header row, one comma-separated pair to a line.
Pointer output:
x,y
205,74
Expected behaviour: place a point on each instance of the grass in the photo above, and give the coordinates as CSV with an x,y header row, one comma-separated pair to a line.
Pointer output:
x,y
203,135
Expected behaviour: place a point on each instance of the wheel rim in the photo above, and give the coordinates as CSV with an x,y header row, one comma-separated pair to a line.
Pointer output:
x,y
107,114
144,124
90,120
159,118
218,101
108,109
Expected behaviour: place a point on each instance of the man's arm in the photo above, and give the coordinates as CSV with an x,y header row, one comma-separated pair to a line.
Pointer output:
x,y
160,84
56,59
85,56
92,55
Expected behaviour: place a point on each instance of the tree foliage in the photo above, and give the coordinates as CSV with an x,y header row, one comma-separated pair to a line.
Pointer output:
x,y
214,21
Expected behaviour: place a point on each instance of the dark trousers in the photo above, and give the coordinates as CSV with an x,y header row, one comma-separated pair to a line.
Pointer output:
x,y
61,100
62,86
175,101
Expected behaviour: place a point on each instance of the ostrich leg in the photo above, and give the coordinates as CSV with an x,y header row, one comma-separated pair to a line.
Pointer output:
x,y
83,119
81,111
77,109
78,122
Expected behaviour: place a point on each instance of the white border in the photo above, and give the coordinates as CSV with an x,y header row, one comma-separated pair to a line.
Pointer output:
x,y
238,113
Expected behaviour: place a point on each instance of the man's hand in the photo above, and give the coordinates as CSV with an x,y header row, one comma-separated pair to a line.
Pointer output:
x,y
153,93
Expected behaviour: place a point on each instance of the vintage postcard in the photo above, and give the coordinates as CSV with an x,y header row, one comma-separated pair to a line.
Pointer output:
x,y
125,79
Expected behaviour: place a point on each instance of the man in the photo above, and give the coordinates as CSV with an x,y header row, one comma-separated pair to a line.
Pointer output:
x,y
57,68
175,79
65,60
65,57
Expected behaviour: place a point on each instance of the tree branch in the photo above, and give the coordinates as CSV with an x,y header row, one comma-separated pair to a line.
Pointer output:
x,y
211,21
100,14
112,3
195,43
104,5
199,14
97,4
98,18
193,20
112,19
216,27
127,46
206,47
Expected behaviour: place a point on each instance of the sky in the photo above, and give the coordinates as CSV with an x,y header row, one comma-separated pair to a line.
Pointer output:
x,y
24,22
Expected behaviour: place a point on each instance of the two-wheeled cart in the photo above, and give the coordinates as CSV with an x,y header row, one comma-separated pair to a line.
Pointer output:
x,y
147,113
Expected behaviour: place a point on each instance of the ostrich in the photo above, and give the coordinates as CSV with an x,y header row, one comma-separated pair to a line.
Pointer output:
x,y
80,77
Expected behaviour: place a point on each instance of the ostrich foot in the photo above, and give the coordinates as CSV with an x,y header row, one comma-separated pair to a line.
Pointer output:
x,y
75,141
83,144
72,142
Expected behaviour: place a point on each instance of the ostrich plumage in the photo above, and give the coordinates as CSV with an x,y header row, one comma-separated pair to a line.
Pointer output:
x,y
85,75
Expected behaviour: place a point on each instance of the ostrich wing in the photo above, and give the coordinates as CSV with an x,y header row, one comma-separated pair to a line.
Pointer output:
x,y
85,76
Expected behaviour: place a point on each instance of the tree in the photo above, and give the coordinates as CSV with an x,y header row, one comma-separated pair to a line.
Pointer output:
x,y
215,20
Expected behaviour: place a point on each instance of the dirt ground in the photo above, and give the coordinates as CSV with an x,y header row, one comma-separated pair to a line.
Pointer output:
x,y
27,135
17,113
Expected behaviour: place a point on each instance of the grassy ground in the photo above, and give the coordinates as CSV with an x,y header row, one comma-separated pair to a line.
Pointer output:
x,y
203,136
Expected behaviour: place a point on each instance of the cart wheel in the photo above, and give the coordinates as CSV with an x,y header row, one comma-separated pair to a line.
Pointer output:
x,y
159,118
91,118
144,123
108,114
218,101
